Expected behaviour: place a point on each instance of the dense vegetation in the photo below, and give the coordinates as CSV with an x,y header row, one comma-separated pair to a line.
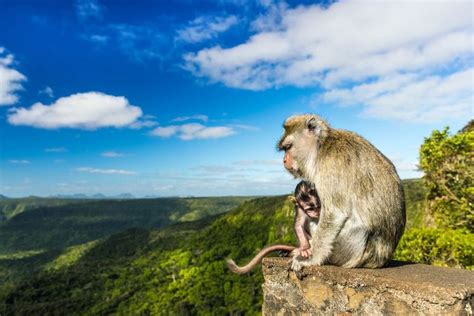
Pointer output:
x,y
444,230
180,269
41,229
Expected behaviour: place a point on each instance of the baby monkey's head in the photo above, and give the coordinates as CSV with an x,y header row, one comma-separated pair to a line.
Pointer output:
x,y
307,199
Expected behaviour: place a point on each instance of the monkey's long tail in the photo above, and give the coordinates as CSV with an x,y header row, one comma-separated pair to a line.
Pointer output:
x,y
249,266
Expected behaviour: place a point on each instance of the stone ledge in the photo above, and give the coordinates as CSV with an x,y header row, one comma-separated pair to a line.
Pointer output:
x,y
400,288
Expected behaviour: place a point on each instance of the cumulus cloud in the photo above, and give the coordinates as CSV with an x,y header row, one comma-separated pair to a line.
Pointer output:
x,y
105,171
10,79
193,131
205,28
111,154
165,132
348,44
411,98
90,110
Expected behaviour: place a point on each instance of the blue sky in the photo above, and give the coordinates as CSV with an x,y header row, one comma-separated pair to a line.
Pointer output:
x,y
188,97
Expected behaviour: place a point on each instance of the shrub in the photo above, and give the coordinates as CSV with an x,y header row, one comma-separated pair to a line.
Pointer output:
x,y
441,247
448,164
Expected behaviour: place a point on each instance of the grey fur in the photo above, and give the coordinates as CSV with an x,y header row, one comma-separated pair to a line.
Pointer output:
x,y
362,203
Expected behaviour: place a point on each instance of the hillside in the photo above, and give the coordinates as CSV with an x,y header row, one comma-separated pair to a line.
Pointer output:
x,y
179,269
45,228
14,206
39,224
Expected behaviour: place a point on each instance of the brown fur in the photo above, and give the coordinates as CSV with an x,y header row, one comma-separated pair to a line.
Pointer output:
x,y
361,194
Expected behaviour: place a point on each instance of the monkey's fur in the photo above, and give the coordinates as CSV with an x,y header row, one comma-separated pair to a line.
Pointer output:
x,y
362,203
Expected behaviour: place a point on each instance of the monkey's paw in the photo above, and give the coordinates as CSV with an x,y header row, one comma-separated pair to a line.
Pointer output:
x,y
296,264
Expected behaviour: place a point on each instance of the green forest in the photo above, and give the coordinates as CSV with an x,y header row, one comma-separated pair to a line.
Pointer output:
x,y
166,256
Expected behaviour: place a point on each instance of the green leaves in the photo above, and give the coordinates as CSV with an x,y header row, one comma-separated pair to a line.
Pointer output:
x,y
441,247
448,164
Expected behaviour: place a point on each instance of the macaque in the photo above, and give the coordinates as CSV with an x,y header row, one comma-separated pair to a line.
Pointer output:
x,y
362,214
307,209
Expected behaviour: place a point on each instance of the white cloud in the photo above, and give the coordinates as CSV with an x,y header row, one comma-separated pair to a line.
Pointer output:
x,y
193,131
205,28
56,150
88,9
165,132
349,44
88,110
271,20
111,154
406,168
105,171
199,117
143,123
274,162
19,162
47,91
210,169
410,97
10,79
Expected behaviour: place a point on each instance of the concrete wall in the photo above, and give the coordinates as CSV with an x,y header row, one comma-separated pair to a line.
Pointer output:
x,y
401,288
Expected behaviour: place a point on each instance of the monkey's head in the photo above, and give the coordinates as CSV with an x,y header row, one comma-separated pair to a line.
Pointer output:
x,y
307,199
303,136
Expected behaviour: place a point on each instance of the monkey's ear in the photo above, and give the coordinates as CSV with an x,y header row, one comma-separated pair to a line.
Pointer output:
x,y
317,127
313,126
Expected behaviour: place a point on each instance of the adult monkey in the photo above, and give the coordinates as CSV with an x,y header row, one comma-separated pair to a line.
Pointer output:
x,y
362,203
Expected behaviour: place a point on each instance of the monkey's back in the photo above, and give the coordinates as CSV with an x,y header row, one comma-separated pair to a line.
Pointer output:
x,y
352,176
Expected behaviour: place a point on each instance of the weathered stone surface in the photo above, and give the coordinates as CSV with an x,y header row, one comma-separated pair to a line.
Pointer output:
x,y
401,288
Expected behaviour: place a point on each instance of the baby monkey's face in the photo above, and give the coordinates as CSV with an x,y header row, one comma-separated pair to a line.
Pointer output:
x,y
308,201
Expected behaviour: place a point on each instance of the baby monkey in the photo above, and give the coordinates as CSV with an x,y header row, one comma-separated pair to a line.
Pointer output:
x,y
308,208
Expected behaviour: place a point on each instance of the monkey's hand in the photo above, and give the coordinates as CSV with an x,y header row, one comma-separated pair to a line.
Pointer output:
x,y
305,252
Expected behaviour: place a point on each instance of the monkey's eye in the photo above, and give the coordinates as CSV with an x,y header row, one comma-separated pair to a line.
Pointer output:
x,y
287,147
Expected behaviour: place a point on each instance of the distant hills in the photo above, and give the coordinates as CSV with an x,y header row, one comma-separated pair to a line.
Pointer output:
x,y
97,196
